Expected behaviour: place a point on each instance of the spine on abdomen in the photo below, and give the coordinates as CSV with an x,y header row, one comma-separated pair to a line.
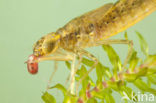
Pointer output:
x,y
122,15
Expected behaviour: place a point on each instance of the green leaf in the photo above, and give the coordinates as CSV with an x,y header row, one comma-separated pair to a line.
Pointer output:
x,y
113,85
151,71
142,72
60,87
68,65
47,98
109,98
130,77
107,72
92,100
103,94
151,61
126,36
113,57
102,72
87,62
86,81
99,72
133,61
99,95
144,87
152,78
143,44
70,99
83,72
129,92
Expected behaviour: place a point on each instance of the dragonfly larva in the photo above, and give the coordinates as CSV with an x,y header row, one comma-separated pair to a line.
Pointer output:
x,y
91,29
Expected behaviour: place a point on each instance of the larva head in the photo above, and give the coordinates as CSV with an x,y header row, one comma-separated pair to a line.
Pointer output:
x,y
46,45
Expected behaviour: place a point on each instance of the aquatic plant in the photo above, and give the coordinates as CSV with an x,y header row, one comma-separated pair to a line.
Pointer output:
x,y
112,79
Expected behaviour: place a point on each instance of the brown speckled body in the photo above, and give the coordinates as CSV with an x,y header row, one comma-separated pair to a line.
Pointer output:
x,y
94,26
104,22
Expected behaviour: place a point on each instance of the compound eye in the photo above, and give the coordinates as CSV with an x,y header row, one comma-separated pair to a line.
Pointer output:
x,y
49,47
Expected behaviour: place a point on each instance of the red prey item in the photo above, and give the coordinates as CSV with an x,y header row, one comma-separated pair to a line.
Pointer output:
x,y
32,65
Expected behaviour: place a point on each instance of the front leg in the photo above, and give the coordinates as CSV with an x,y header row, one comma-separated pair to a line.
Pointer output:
x,y
52,75
55,58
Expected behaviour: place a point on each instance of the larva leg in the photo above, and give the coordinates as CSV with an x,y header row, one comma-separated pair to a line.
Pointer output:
x,y
72,76
52,75
128,42
56,58
89,55
75,70
105,42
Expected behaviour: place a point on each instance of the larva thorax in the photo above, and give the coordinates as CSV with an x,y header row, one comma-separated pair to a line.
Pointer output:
x,y
76,33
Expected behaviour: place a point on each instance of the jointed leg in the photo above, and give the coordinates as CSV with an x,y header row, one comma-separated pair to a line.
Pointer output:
x,y
52,75
128,42
105,42
55,58
74,73
77,66
89,55
72,83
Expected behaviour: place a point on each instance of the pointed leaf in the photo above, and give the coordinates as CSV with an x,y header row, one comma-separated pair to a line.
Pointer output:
x,y
133,61
99,95
87,62
126,36
151,61
99,72
144,87
143,44
128,92
152,78
102,72
60,87
114,58
68,64
130,77
47,98
86,81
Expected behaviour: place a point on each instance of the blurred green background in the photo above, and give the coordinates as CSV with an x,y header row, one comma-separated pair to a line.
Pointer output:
x,y
23,22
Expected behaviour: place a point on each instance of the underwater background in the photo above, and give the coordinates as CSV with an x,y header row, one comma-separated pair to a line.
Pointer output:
x,y
23,22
